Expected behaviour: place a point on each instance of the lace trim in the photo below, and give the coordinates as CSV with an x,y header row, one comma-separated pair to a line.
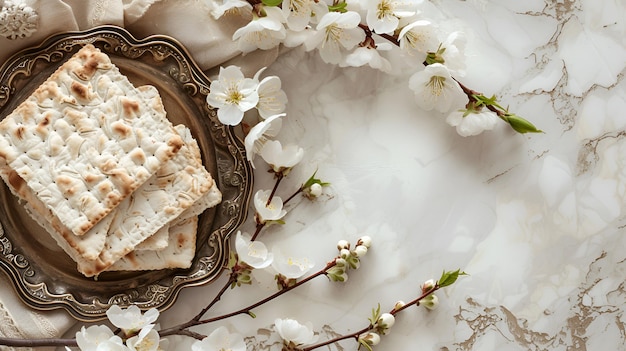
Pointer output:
x,y
47,329
98,12
8,328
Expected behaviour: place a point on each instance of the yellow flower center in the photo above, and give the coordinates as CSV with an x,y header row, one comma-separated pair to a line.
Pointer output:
x,y
234,96
384,8
413,39
333,33
436,85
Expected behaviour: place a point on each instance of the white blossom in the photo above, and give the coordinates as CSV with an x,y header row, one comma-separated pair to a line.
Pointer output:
x,y
272,99
299,13
434,88
417,38
470,123
260,134
289,266
291,331
366,55
336,32
280,158
262,32
220,7
97,338
232,94
253,253
147,340
268,212
131,319
383,16
454,53
220,340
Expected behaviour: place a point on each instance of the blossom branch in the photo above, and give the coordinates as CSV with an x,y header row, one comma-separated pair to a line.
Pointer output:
x,y
357,334
231,278
246,310
11,342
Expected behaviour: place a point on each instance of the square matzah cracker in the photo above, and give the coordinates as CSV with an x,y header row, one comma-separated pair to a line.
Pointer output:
x,y
182,231
85,140
176,187
179,252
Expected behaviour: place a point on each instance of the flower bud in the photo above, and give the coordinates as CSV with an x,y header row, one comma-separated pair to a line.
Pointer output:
x,y
344,253
365,241
340,262
315,190
399,305
343,244
360,250
384,323
370,338
431,302
337,274
428,285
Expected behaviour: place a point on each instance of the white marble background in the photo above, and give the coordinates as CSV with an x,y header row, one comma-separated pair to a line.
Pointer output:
x,y
537,221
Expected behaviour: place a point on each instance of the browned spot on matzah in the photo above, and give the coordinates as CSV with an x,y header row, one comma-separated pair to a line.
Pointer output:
x,y
16,181
79,90
130,107
20,132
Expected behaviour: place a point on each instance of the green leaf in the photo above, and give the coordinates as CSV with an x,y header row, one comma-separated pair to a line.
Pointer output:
x,y
339,7
449,278
251,314
375,315
272,2
365,344
232,260
312,180
520,125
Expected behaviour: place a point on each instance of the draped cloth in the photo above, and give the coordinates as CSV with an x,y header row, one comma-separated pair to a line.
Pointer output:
x,y
189,21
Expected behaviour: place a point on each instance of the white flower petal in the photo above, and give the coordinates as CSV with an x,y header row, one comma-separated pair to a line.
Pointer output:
x,y
290,267
230,115
280,158
473,123
257,136
220,340
89,338
434,88
291,330
253,253
272,212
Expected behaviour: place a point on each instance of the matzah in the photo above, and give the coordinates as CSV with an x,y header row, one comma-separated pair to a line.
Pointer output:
x,y
88,246
85,140
181,245
174,188
179,252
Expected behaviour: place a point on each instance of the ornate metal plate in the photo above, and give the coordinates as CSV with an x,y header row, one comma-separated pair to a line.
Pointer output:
x,y
43,275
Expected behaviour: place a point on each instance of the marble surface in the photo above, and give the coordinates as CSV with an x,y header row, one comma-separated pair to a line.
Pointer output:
x,y
536,220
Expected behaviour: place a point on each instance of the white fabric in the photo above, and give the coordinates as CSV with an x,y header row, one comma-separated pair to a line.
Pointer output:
x,y
209,42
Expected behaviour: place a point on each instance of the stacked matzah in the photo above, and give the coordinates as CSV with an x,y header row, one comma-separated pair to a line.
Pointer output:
x,y
98,165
